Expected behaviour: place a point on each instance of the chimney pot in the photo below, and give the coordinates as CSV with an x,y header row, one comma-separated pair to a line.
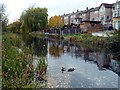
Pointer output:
x,y
86,8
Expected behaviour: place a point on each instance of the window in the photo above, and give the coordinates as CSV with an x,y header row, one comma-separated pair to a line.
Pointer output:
x,y
117,6
97,19
74,16
83,14
115,14
80,19
66,17
102,17
118,13
118,24
96,11
113,8
93,19
108,17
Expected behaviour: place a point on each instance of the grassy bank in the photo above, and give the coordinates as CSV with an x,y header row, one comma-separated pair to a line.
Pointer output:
x,y
17,63
85,38
111,43
37,34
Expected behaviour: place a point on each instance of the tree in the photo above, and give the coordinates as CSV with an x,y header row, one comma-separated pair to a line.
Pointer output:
x,y
56,22
3,17
14,27
33,19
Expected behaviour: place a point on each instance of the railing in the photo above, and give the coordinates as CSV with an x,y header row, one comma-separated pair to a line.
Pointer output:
x,y
66,31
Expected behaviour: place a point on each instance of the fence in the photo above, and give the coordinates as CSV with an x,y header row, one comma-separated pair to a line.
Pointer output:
x,y
66,31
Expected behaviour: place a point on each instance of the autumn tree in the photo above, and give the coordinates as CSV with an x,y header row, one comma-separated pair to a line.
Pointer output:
x,y
33,19
56,22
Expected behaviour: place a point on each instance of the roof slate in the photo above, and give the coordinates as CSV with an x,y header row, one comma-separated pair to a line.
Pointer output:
x,y
107,5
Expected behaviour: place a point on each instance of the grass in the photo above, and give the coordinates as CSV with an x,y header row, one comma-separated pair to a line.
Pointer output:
x,y
86,38
37,34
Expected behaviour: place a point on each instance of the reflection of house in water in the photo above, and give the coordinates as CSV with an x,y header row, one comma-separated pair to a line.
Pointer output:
x,y
104,61
101,58
115,66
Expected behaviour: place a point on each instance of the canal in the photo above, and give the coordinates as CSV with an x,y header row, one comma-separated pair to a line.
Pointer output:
x,y
76,65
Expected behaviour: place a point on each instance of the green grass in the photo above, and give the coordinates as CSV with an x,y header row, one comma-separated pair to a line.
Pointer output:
x,y
87,38
36,34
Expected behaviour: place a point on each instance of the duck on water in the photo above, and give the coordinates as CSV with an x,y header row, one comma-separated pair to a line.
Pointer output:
x,y
69,70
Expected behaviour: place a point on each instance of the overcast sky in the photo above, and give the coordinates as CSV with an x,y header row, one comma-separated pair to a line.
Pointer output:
x,y
14,8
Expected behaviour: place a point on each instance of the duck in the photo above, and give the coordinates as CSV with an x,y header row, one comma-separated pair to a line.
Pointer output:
x,y
71,69
63,69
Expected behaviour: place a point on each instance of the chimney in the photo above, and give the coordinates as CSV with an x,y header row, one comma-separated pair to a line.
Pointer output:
x,y
73,12
86,8
77,10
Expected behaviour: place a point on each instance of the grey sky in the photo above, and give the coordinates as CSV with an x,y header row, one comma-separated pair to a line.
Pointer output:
x,y
14,8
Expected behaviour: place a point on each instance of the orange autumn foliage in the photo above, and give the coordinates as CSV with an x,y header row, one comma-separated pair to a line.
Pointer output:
x,y
55,22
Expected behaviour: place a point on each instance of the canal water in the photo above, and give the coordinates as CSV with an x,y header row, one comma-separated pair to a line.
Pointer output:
x,y
94,67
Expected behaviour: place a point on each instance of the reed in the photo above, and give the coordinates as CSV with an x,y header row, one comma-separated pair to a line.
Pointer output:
x,y
18,71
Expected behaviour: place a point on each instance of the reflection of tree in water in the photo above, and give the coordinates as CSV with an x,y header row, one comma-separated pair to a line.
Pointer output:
x,y
86,54
74,49
37,46
55,50
28,40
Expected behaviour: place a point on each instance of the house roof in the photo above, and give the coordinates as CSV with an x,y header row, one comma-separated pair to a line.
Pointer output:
x,y
85,11
75,13
107,5
94,9
64,15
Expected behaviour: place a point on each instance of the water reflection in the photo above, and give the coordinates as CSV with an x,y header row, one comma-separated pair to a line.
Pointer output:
x,y
101,57
55,49
37,45
94,66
